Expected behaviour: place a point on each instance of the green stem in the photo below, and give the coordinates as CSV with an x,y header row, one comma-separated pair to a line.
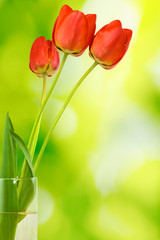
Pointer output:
x,y
45,101
35,137
44,88
35,126
60,114
32,150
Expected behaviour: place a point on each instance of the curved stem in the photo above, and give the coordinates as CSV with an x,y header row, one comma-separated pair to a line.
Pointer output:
x,y
32,150
36,123
35,136
45,101
60,114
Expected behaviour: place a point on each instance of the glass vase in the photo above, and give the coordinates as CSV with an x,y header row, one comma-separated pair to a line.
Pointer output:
x,y
18,208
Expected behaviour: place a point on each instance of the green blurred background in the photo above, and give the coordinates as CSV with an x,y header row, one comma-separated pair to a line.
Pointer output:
x,y
99,178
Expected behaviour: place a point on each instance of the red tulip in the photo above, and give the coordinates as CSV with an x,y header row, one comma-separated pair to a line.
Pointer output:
x,y
73,31
44,59
110,44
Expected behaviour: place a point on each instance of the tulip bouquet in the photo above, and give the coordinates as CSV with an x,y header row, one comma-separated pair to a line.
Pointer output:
x,y
73,32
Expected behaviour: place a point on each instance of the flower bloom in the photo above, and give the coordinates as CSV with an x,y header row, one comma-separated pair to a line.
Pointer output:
x,y
110,44
73,31
44,59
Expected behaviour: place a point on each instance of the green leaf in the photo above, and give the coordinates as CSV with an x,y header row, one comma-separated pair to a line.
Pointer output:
x,y
25,150
27,188
9,163
14,148
8,186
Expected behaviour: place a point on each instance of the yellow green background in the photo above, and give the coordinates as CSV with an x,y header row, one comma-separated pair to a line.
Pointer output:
x,y
99,178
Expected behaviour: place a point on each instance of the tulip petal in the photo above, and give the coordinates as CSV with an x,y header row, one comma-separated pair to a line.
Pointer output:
x,y
125,45
39,54
118,51
71,34
65,10
44,59
73,31
105,40
110,44
54,59
91,19
129,34
114,24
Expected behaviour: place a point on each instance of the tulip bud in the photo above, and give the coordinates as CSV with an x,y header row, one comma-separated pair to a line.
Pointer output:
x,y
110,44
44,59
73,31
